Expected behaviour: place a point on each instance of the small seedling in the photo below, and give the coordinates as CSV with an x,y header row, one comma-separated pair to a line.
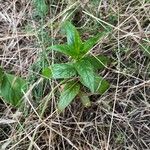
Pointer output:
x,y
11,88
80,72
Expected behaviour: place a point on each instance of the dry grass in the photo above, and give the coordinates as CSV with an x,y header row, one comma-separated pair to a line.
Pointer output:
x,y
117,120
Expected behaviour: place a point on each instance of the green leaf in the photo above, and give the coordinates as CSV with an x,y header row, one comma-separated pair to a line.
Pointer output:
x,y
1,74
70,91
11,89
99,62
73,37
101,85
46,72
41,7
87,45
85,99
63,71
146,49
86,72
65,49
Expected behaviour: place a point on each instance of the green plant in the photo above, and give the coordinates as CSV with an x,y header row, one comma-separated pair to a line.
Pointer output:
x,y
41,7
11,88
81,70
145,47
